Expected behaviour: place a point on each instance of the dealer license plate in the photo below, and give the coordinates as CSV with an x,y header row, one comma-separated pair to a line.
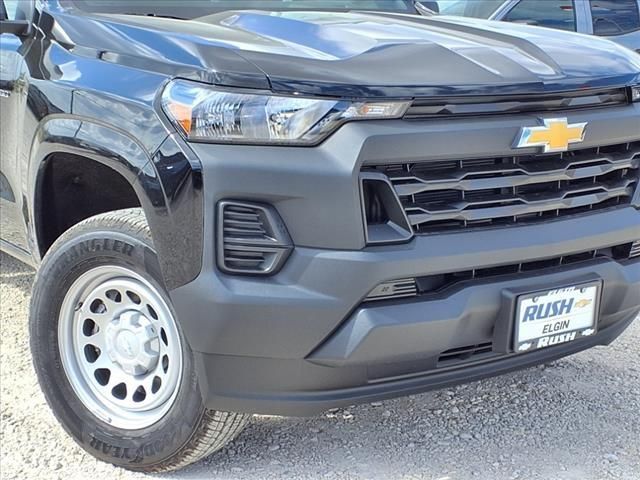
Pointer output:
x,y
553,317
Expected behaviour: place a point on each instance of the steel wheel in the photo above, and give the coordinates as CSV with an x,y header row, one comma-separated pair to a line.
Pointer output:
x,y
112,360
120,347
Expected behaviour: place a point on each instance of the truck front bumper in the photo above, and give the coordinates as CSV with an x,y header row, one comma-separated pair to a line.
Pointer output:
x,y
288,350
304,340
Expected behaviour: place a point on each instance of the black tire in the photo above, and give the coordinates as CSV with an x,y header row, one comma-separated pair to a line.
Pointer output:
x,y
188,431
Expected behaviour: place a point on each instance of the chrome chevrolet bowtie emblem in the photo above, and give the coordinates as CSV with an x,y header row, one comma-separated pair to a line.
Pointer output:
x,y
554,136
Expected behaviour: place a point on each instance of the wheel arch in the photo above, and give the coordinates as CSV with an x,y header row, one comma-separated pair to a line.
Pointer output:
x,y
124,161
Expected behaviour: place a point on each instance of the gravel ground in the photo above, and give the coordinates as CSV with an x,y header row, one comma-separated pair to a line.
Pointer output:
x,y
576,419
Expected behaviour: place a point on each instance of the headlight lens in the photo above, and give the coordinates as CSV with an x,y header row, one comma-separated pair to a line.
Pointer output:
x,y
207,114
635,94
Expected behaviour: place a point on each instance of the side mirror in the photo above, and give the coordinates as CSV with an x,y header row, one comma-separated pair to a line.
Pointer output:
x,y
21,28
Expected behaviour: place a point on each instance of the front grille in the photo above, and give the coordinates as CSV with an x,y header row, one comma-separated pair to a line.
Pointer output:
x,y
462,194
436,284
433,284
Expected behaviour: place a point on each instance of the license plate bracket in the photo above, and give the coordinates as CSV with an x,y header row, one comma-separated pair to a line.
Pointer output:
x,y
551,317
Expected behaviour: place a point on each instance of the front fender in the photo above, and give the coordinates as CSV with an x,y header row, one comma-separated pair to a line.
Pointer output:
x,y
167,183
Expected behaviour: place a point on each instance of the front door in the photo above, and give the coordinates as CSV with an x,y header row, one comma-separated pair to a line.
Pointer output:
x,y
13,103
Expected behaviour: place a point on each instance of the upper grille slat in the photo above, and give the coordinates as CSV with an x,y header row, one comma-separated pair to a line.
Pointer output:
x,y
466,193
510,175
515,206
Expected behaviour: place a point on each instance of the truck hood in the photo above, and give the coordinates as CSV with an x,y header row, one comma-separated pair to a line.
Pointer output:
x,y
359,54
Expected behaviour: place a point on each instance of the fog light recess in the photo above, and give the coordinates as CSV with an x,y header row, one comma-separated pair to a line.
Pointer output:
x,y
251,239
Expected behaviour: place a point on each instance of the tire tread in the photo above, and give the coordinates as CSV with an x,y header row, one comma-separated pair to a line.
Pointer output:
x,y
215,430
131,221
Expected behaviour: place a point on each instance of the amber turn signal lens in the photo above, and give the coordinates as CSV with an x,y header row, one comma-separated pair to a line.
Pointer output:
x,y
182,115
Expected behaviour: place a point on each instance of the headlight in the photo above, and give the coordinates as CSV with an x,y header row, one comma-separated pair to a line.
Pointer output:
x,y
215,115
635,94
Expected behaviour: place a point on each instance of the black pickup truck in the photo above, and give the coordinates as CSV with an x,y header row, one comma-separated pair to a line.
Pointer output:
x,y
280,212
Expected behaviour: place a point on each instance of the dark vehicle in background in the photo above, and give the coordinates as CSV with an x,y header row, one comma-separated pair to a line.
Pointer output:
x,y
280,212
617,20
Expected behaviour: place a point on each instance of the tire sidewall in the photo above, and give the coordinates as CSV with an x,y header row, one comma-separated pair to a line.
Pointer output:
x,y
60,268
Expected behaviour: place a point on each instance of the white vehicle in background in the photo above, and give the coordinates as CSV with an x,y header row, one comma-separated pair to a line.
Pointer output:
x,y
618,20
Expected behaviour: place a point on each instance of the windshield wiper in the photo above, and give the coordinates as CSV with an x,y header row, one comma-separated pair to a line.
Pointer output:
x,y
155,15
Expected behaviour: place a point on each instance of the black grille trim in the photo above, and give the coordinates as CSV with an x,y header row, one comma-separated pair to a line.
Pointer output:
x,y
444,107
470,353
439,284
461,194
436,284
252,239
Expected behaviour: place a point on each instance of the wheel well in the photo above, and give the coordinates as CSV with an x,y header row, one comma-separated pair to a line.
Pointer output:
x,y
73,188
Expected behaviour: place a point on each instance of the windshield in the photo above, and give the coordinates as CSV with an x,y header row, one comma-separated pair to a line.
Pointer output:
x,y
200,8
469,8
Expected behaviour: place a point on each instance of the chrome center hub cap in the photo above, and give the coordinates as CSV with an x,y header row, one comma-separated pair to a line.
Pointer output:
x,y
133,343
